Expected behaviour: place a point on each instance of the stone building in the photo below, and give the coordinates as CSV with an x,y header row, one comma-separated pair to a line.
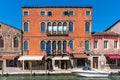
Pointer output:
x,y
10,45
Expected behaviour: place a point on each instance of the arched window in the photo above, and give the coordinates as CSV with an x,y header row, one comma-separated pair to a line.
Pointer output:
x,y
59,26
86,45
59,45
54,26
42,27
49,27
71,44
25,26
54,45
15,42
87,26
42,45
49,44
64,26
64,46
71,26
25,45
1,42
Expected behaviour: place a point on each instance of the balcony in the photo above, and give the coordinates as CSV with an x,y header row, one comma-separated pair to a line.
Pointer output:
x,y
57,31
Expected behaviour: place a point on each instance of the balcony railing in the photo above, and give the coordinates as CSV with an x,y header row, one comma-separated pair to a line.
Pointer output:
x,y
57,33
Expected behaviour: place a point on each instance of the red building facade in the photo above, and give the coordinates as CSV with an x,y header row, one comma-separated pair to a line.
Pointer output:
x,y
59,27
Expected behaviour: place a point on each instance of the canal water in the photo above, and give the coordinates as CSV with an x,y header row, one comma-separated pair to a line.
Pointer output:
x,y
56,77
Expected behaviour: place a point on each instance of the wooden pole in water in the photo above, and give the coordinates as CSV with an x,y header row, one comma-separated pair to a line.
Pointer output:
x,y
45,68
2,69
30,65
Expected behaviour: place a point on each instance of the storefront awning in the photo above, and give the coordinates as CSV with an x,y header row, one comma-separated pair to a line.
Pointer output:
x,y
80,55
113,56
61,58
30,57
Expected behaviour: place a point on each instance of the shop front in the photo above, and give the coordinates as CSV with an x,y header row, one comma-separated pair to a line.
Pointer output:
x,y
32,62
113,61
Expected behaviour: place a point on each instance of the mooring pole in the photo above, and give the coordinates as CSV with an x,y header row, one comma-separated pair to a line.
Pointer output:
x,y
2,69
30,65
45,68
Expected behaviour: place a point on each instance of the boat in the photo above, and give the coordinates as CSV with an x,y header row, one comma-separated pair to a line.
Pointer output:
x,y
90,72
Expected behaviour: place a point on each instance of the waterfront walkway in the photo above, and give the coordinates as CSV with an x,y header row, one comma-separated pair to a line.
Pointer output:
x,y
18,71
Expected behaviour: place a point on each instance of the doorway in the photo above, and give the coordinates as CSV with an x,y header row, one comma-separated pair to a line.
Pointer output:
x,y
95,62
63,64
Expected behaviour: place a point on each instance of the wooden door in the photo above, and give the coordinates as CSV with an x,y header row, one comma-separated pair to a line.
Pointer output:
x,y
95,62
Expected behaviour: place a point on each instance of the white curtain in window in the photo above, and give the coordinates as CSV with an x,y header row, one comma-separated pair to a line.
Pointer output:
x,y
54,28
64,28
60,28
49,28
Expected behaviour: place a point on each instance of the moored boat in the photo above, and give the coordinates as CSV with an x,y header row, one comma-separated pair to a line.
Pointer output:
x,y
90,72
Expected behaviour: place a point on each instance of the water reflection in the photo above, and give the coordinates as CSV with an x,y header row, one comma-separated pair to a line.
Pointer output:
x,y
56,77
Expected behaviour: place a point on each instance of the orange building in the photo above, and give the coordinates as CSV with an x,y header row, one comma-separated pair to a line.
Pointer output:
x,y
58,26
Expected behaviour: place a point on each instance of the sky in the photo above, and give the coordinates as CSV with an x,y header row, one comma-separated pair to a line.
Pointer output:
x,y
104,12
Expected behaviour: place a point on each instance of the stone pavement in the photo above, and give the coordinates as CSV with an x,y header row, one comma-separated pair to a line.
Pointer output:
x,y
18,71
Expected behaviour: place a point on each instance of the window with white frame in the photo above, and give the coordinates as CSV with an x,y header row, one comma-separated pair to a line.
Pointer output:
x,y
87,26
105,44
42,28
87,13
95,44
25,13
25,26
115,44
25,45
67,13
42,13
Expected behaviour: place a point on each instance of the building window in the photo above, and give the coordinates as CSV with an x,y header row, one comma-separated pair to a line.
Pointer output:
x,y
25,26
95,44
105,44
87,26
87,13
25,13
49,13
86,45
67,13
71,26
42,13
1,42
64,46
49,27
54,26
59,26
15,42
59,45
42,45
54,46
70,13
64,26
25,45
116,44
42,27
110,61
71,44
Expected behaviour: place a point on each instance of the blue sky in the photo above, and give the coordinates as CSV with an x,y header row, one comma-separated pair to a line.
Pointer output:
x,y
104,14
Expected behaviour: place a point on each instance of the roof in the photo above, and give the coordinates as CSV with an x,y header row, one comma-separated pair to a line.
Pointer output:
x,y
10,26
105,33
57,7
112,25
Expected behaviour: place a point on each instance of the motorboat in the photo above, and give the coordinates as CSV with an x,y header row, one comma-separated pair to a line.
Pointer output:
x,y
90,72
